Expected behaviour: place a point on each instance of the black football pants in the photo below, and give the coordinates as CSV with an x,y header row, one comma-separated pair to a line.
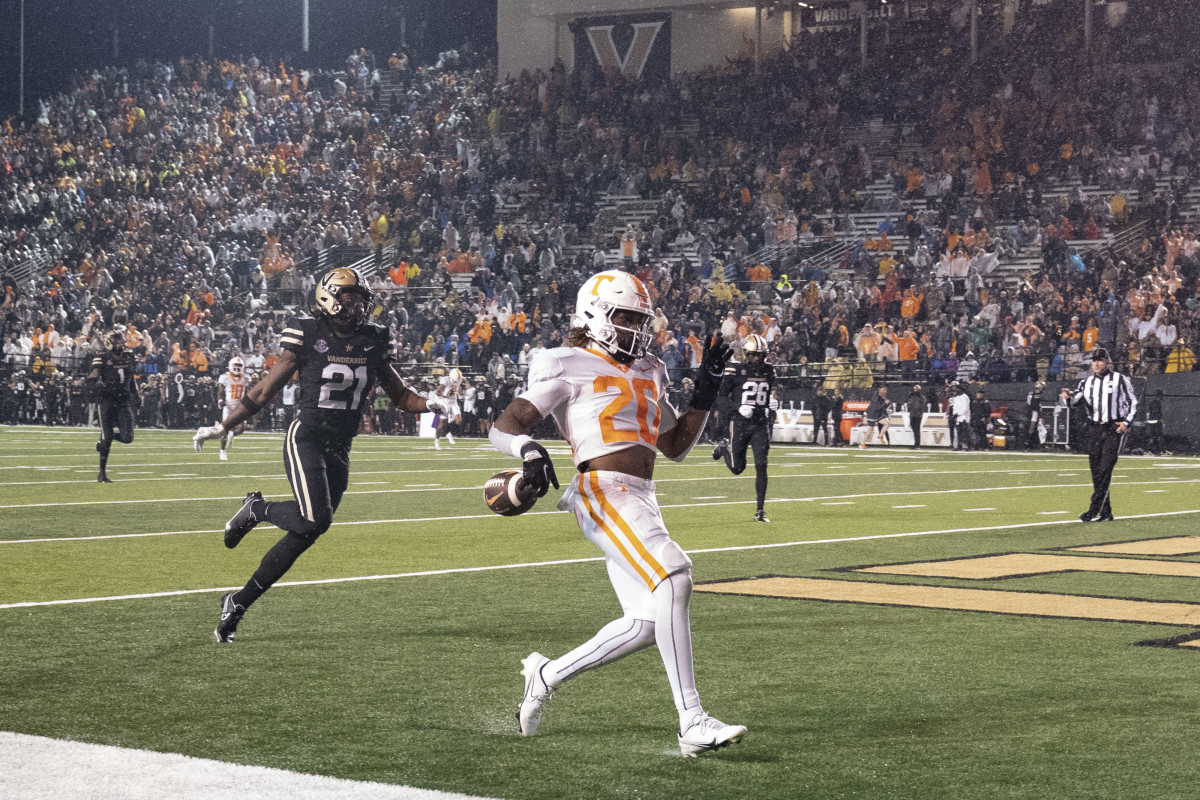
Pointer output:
x,y
115,415
319,472
1105,446
745,434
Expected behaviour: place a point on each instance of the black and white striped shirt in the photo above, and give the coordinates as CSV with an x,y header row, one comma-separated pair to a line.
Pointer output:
x,y
1108,397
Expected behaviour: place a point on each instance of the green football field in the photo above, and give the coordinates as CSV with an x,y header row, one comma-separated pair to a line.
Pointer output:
x,y
911,624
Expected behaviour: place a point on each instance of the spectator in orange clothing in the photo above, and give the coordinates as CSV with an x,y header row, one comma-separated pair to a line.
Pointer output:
x,y
910,306
196,358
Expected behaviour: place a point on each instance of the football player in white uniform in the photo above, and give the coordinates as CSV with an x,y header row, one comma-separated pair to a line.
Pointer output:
x,y
449,387
608,397
234,384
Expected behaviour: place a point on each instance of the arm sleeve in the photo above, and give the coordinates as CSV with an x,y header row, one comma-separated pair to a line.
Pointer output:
x,y
292,336
1127,388
548,386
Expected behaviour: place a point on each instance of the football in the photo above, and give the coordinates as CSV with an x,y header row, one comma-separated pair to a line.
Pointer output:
x,y
507,494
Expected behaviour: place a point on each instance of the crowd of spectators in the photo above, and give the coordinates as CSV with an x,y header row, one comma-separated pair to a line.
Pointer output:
x,y
194,202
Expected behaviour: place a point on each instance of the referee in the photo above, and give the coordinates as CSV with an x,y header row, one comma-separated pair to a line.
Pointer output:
x,y
1111,404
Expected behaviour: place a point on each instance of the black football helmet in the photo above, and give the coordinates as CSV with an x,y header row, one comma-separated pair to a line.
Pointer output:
x,y
114,340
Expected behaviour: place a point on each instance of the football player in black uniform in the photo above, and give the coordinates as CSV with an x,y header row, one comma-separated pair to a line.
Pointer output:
x,y
747,386
110,384
339,356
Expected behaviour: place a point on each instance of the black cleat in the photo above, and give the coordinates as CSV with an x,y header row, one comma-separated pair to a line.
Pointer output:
x,y
759,516
719,451
242,522
1087,516
103,478
231,615
1107,516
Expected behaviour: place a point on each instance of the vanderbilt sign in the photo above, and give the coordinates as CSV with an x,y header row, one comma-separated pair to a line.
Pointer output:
x,y
634,45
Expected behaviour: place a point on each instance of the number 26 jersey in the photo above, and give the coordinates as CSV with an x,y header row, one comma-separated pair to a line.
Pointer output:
x,y
336,373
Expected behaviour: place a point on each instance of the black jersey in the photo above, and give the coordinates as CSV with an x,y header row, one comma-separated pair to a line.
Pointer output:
x,y
749,384
115,369
336,373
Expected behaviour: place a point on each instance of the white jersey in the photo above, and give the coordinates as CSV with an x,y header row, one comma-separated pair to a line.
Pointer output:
x,y
448,387
234,387
600,405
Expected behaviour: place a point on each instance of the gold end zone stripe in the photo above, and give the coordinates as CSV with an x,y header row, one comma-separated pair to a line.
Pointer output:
x,y
1032,604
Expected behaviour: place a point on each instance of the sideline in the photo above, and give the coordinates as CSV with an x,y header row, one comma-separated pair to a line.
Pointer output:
x,y
36,766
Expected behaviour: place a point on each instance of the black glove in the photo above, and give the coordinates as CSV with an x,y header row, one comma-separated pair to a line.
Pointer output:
x,y
537,468
712,367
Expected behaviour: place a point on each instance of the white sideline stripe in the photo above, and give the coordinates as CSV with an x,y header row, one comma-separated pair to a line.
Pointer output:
x,y
543,513
564,561
38,767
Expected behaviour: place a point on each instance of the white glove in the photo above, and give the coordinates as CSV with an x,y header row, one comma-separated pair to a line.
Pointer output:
x,y
746,411
204,434
774,404
438,404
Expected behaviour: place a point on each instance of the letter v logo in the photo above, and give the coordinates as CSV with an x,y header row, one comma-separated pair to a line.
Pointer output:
x,y
644,34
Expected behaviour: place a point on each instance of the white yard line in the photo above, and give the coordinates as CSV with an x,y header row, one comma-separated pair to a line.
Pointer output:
x,y
400,520
561,562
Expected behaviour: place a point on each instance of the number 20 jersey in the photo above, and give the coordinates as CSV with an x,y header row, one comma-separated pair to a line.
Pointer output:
x,y
336,373
600,405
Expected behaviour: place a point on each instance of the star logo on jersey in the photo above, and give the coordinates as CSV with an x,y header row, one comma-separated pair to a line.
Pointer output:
x,y
321,346
349,348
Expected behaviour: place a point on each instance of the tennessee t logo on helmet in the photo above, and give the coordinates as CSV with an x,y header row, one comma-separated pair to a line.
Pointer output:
x,y
603,295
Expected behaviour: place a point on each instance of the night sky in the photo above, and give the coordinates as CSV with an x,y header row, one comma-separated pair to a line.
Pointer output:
x,y
65,36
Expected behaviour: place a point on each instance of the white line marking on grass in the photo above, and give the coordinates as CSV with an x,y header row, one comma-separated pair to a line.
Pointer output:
x,y
1052,513
979,509
711,497
1155,491
527,514
419,485
180,474
908,506
39,767
565,561
841,503
368,483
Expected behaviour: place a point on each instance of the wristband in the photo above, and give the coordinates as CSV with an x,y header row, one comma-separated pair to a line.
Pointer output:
x,y
508,442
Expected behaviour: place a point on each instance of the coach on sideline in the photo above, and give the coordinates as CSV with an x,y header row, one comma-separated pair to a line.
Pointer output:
x,y
1111,404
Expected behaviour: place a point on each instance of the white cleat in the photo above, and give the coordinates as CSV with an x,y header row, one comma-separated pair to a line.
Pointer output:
x,y
537,693
437,443
450,438
224,456
708,733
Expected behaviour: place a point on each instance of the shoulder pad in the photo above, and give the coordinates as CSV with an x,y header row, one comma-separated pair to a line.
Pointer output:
x,y
652,361
548,364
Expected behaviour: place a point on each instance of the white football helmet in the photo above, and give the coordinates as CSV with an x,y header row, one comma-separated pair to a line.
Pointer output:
x,y
456,377
236,366
606,293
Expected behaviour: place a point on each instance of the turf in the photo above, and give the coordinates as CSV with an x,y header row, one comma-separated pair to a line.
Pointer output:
x,y
412,678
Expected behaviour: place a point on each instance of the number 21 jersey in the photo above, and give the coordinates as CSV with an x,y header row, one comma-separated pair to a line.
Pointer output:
x,y
336,373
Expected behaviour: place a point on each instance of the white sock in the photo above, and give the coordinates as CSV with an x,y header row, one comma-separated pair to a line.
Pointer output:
x,y
614,641
673,634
